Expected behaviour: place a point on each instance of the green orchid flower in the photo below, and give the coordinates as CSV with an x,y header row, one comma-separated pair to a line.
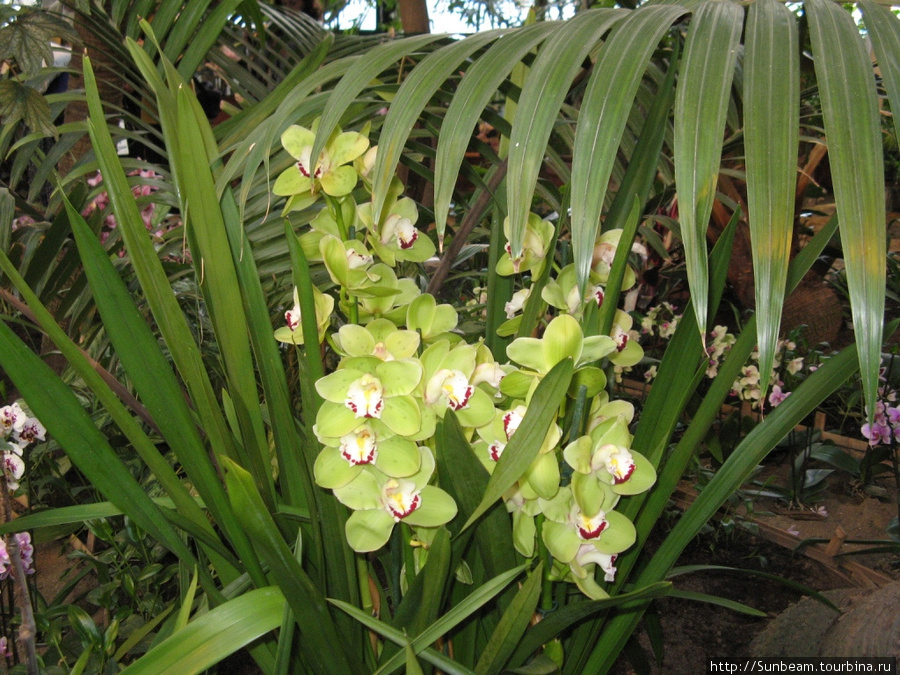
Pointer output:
x,y
431,320
567,527
350,266
365,389
562,339
628,351
380,501
581,570
562,292
324,224
523,514
538,235
604,461
331,172
292,333
541,478
371,443
447,383
395,238
393,299
602,259
380,338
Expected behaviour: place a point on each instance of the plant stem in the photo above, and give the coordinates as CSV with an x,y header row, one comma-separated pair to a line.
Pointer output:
x,y
28,630
546,583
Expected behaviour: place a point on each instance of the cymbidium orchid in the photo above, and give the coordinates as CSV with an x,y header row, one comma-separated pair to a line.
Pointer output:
x,y
380,501
628,351
379,338
604,462
447,384
523,514
331,172
350,266
369,389
292,333
431,320
371,443
393,299
568,527
538,236
542,477
604,254
395,238
562,339
563,294
517,302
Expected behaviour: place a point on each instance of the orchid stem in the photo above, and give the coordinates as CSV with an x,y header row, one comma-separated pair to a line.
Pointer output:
x,y
27,630
546,583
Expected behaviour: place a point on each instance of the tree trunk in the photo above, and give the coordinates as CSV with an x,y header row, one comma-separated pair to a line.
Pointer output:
x,y
414,16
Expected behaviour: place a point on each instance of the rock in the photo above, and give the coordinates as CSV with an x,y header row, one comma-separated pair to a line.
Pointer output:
x,y
868,626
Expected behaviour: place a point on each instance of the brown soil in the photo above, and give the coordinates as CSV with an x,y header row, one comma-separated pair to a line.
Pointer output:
x,y
694,632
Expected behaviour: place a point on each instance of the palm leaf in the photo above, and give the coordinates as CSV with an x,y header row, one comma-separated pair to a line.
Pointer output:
x,y
771,112
700,106
853,134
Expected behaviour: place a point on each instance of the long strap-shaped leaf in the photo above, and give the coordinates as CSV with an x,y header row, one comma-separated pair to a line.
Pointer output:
x,y
853,133
771,138
884,29
218,283
152,377
545,88
475,90
152,277
524,447
321,645
604,112
700,104
359,77
162,301
67,421
213,636
414,93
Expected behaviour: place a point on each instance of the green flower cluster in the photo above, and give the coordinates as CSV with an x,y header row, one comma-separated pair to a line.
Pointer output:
x,y
402,367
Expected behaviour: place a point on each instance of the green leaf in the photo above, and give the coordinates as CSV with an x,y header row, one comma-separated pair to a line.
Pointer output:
x,y
398,637
463,476
422,603
526,442
449,620
408,103
546,86
362,73
771,139
884,30
219,285
474,93
716,600
512,625
187,604
152,377
853,133
317,629
214,635
700,105
18,101
556,622
604,111
26,39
